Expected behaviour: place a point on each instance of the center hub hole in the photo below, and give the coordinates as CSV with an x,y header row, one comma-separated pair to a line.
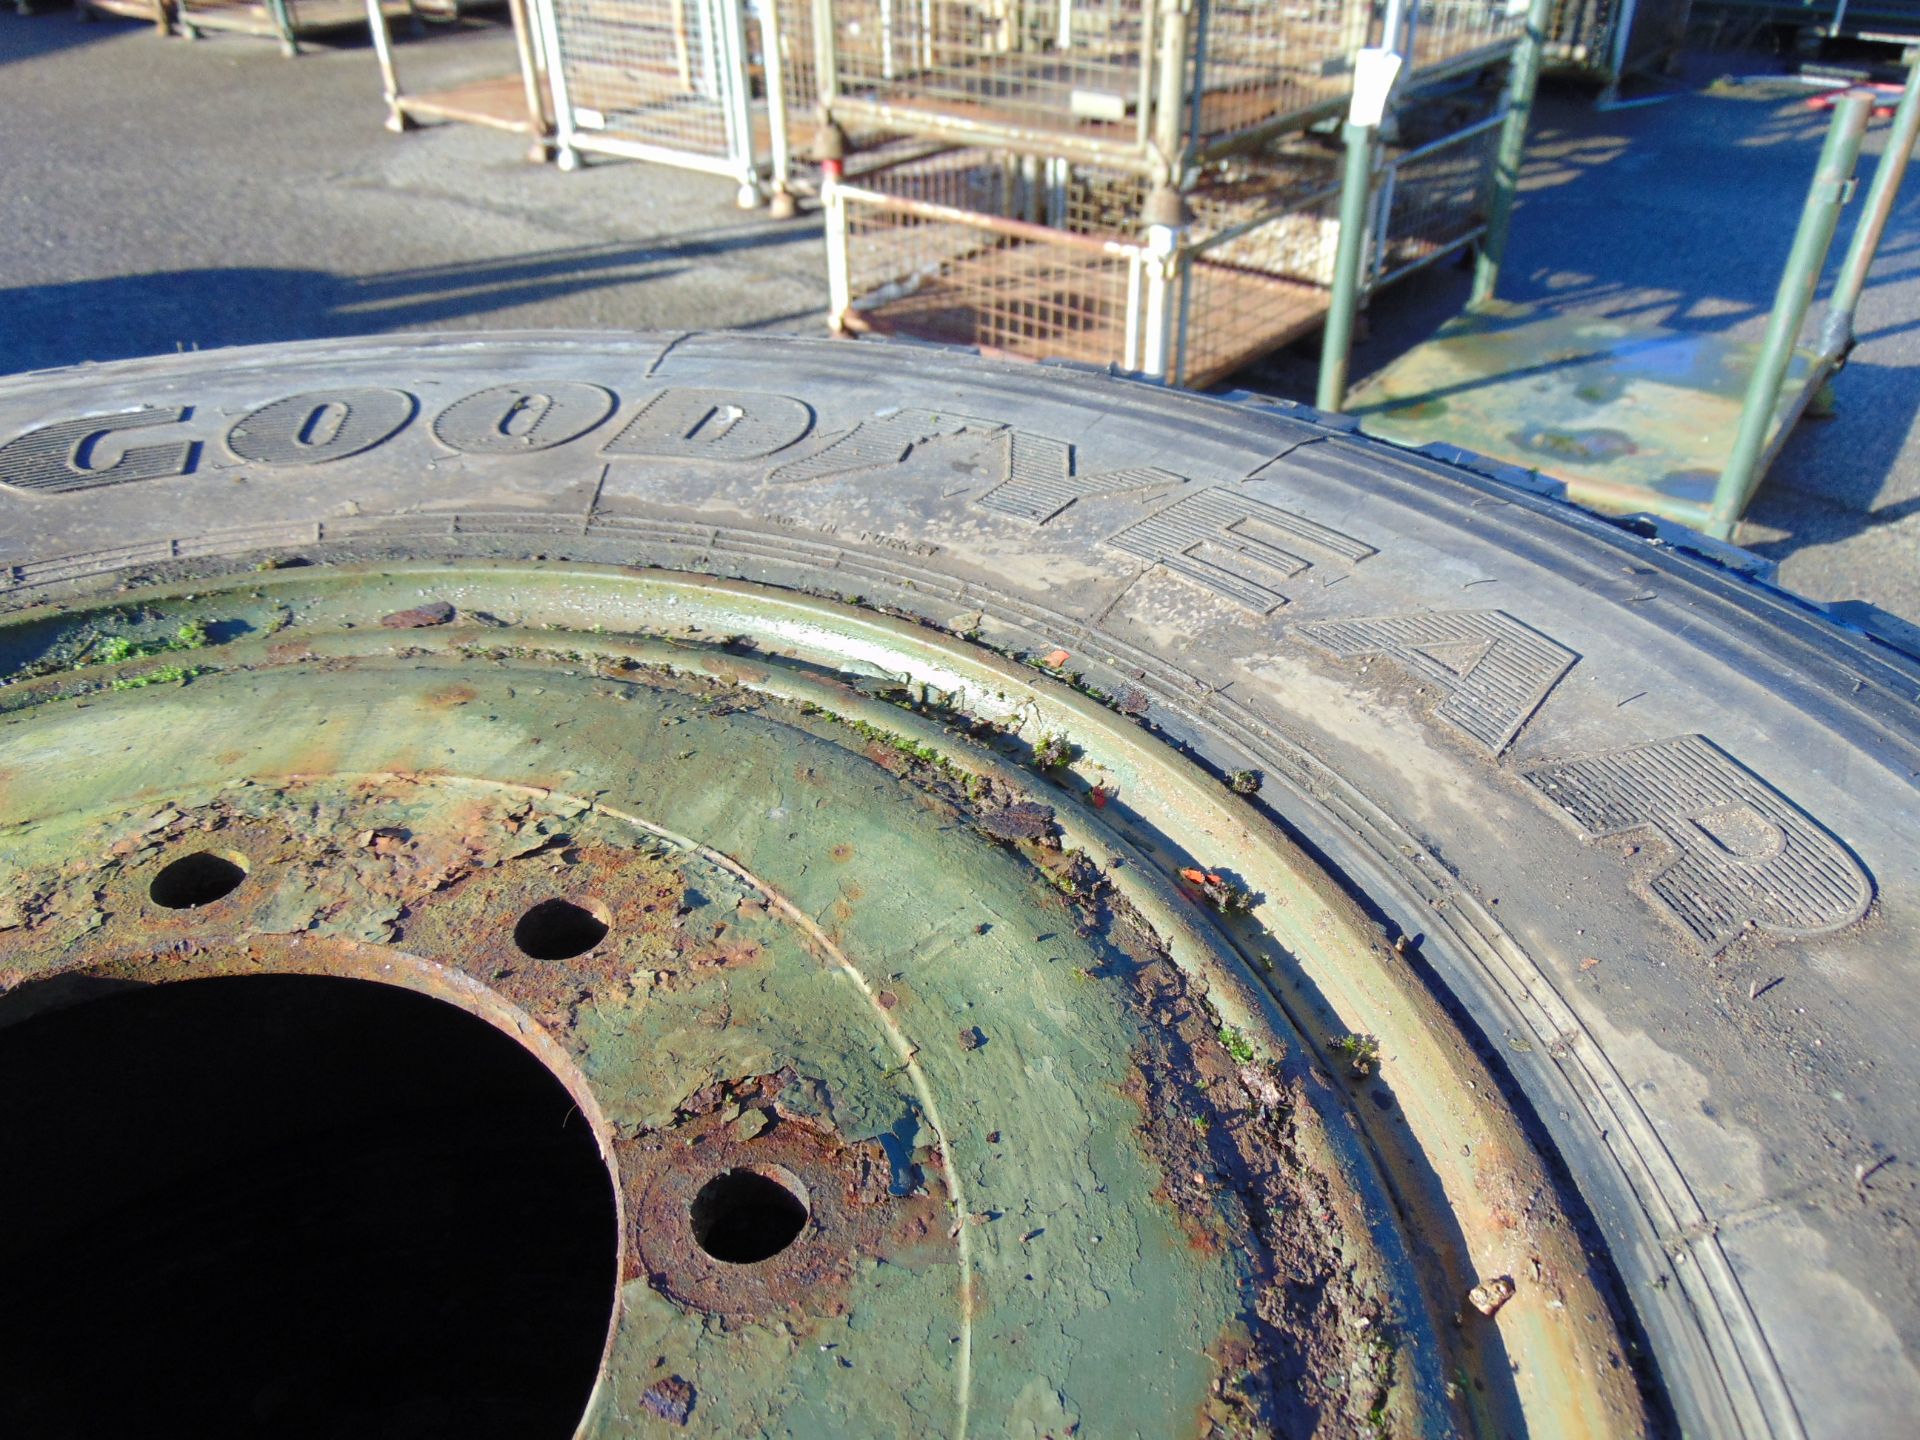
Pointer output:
x,y
197,879
560,929
296,1206
743,1217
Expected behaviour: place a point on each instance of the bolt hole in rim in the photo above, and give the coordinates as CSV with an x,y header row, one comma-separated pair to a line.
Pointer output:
x,y
198,879
745,1216
561,929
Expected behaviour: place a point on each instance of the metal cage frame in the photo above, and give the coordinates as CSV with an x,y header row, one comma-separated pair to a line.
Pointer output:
x,y
1151,86
676,84
1044,259
291,21
517,102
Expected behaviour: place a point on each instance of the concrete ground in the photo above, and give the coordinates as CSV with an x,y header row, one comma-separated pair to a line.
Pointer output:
x,y
161,194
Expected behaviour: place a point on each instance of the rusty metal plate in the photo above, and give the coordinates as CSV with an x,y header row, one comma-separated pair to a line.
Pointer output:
x,y
1628,417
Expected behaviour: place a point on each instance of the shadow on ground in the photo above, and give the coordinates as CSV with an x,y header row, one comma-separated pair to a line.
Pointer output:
x,y
125,316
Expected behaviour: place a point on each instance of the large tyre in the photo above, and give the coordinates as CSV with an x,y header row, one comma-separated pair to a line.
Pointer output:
x,y
1581,865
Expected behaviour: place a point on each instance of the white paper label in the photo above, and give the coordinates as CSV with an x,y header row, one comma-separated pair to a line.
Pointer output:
x,y
1374,71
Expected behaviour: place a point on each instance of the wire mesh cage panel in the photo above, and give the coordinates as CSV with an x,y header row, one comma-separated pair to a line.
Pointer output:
x,y
791,43
957,247
1433,186
1038,259
1610,39
1445,34
1045,259
1101,79
679,82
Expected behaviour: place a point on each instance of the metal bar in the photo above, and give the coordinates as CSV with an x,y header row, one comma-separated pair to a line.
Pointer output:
x,y
1157,325
383,53
1450,248
826,57
1143,102
727,21
1380,223
1832,179
283,20
1169,109
1296,205
1466,132
524,48
1136,300
780,156
566,132
1619,55
1255,137
833,200
1183,282
1197,86
993,224
1336,343
1522,84
597,144
858,114
1836,331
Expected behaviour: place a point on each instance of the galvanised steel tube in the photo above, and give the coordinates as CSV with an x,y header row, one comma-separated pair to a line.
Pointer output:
x,y
1836,331
1810,242
1336,345
1522,84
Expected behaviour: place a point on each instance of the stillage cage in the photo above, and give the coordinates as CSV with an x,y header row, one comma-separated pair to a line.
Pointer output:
x,y
1046,258
1135,84
700,84
508,94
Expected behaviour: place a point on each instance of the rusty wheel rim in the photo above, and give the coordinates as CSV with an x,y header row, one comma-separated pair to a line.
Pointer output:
x,y
1073,1066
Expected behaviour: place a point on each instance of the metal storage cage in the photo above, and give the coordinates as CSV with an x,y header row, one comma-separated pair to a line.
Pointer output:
x,y
1047,259
672,81
1128,83
289,21
1612,39
514,99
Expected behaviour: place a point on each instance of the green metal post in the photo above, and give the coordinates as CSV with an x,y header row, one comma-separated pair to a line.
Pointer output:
x,y
1836,331
1522,82
1832,180
1336,344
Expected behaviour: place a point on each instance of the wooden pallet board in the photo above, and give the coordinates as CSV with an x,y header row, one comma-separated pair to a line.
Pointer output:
x,y
498,101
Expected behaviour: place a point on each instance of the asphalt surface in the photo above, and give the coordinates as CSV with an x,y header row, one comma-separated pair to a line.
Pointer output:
x,y
159,194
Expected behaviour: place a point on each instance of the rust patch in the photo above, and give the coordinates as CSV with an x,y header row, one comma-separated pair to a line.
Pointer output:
x,y
851,1212
670,1399
420,617
451,697
1317,1353
475,920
